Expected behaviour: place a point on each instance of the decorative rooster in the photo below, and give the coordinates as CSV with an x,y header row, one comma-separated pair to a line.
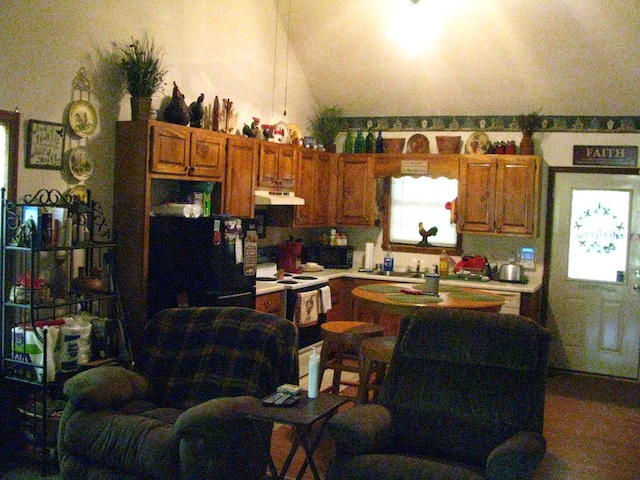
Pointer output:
x,y
425,234
177,110
197,112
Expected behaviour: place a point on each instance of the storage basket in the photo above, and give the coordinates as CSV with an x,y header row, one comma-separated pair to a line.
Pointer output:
x,y
448,144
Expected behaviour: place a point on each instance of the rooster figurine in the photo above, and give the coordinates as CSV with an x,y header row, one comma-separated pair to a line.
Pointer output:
x,y
425,234
196,111
177,110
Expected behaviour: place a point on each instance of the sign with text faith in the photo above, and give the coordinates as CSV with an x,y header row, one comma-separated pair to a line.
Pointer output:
x,y
605,156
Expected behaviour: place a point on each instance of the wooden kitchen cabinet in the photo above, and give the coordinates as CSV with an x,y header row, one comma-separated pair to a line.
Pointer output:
x,y
184,151
314,184
498,194
277,166
341,299
240,177
356,190
270,303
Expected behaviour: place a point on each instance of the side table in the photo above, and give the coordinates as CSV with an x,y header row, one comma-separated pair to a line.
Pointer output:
x,y
302,416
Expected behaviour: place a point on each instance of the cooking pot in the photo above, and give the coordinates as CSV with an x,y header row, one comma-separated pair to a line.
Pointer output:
x,y
511,272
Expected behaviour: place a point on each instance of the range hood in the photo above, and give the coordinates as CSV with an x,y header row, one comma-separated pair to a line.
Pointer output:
x,y
266,197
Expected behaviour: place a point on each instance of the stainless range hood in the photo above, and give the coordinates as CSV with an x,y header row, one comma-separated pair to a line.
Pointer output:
x,y
266,197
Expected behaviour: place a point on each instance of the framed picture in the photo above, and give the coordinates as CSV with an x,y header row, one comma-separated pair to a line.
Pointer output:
x,y
45,145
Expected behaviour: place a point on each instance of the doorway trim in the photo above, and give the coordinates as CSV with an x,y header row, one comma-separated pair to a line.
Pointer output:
x,y
548,232
12,120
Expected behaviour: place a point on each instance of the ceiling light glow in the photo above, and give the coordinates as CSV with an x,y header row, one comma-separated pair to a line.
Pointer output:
x,y
414,26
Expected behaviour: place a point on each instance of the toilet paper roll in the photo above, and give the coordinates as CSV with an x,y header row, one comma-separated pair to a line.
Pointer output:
x,y
368,256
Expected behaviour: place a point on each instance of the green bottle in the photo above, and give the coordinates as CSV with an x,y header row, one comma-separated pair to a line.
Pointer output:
x,y
348,142
370,143
360,144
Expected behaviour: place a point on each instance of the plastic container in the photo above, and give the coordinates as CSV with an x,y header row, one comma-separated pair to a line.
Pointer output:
x,y
387,263
314,371
443,268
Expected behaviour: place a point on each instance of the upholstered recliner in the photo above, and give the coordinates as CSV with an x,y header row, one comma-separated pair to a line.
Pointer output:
x,y
179,413
463,399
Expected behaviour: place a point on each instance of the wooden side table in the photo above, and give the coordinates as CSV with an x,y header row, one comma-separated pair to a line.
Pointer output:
x,y
302,416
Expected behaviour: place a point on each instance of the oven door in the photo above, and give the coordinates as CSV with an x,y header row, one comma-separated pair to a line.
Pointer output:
x,y
306,335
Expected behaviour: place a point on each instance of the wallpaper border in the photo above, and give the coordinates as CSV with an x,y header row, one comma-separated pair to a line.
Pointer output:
x,y
497,123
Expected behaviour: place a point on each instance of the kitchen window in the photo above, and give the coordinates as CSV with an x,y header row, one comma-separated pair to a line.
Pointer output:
x,y
419,213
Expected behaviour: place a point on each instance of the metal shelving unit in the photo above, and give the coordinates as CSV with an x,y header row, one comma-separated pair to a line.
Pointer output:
x,y
57,262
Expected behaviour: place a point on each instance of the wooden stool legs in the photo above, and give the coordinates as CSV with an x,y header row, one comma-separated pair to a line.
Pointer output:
x,y
340,347
375,356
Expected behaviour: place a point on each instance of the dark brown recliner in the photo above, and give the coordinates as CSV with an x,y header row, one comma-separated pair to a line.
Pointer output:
x,y
180,413
463,399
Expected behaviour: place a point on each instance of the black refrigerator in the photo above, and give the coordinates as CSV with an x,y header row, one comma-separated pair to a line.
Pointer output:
x,y
205,261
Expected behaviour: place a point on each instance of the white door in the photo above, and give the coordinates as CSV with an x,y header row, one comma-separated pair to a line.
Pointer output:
x,y
594,309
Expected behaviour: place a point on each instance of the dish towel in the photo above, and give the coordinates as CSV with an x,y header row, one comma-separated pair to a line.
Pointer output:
x,y
325,299
307,309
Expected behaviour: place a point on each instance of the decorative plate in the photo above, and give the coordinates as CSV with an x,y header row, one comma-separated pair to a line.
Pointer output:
x,y
82,118
295,134
418,143
80,163
478,142
79,193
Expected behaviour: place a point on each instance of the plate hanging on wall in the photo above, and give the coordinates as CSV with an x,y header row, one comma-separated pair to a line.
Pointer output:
x,y
83,118
418,143
80,163
478,142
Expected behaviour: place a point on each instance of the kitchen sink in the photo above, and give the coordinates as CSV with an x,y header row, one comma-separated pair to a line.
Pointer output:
x,y
400,274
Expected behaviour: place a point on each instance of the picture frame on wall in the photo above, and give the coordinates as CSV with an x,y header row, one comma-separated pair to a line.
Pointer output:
x,y
45,145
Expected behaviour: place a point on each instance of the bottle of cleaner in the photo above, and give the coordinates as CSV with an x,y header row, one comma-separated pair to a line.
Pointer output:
x,y
444,264
314,371
387,264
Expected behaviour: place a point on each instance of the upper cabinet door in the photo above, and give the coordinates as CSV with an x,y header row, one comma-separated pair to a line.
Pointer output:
x,y
207,154
477,190
268,169
517,185
356,190
240,176
287,165
170,149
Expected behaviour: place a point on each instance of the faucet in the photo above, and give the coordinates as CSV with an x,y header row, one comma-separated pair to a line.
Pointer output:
x,y
418,267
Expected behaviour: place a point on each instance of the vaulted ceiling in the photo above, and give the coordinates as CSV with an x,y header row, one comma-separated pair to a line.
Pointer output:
x,y
470,57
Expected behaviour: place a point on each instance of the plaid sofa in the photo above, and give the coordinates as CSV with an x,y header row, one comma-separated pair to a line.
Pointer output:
x,y
179,413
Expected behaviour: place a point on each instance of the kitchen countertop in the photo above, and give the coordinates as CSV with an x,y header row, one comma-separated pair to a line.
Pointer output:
x,y
535,281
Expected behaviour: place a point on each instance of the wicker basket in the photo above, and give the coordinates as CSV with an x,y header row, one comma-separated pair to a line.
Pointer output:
x,y
393,145
448,144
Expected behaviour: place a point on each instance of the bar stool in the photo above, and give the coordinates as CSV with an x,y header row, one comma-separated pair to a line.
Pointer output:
x,y
375,356
340,348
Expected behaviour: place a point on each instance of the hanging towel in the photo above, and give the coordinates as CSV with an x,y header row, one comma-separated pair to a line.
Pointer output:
x,y
307,309
325,299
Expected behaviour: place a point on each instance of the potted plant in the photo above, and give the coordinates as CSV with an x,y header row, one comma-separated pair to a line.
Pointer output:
x,y
528,125
140,64
325,126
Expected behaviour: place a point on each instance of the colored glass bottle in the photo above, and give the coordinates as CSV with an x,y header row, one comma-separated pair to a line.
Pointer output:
x,y
360,144
370,142
379,143
348,142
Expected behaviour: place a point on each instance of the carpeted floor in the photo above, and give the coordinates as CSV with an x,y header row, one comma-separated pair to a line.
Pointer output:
x,y
592,426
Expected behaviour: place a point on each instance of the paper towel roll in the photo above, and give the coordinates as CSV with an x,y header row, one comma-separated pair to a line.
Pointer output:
x,y
368,256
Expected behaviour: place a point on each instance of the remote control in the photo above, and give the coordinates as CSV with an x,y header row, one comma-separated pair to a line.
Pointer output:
x,y
280,401
272,398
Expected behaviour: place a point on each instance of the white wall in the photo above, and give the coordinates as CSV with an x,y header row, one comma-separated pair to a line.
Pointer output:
x,y
223,47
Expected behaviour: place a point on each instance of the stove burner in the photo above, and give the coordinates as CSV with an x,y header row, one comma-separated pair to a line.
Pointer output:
x,y
287,282
265,279
304,277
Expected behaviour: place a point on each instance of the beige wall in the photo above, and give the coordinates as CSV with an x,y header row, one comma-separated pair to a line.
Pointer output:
x,y
222,47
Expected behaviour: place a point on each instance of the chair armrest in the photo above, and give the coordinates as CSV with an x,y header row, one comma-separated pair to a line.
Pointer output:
x,y
361,429
517,458
204,419
105,387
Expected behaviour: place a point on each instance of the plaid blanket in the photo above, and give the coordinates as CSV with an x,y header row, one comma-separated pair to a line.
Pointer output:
x,y
195,354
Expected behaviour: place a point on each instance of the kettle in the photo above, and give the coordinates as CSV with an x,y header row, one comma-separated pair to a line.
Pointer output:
x,y
511,272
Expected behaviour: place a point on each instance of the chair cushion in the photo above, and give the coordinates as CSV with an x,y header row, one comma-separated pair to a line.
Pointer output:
x,y
193,355
462,336
142,441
